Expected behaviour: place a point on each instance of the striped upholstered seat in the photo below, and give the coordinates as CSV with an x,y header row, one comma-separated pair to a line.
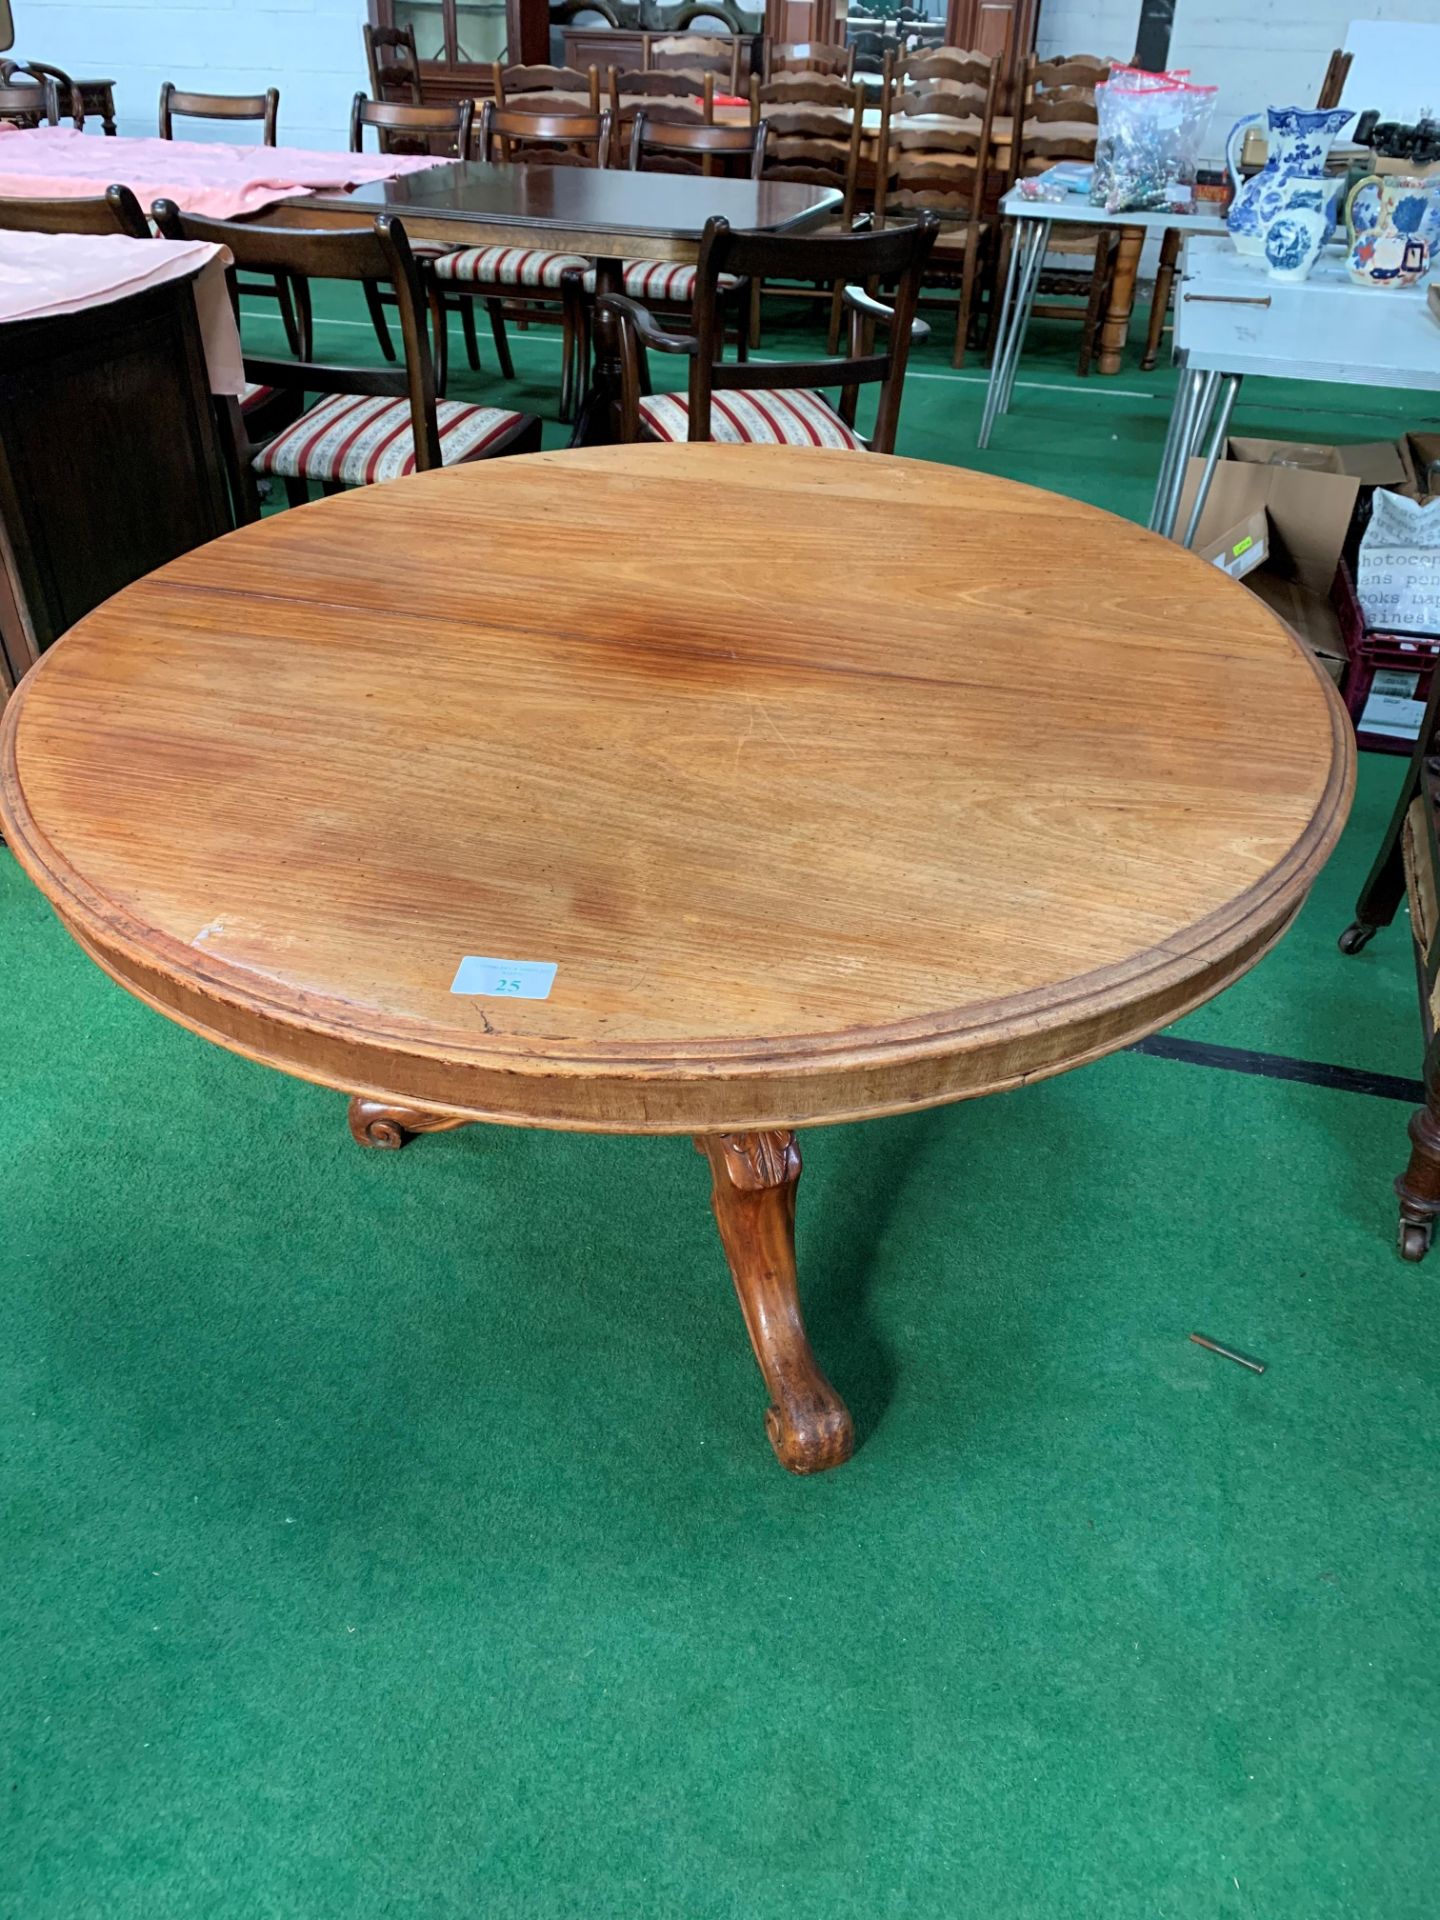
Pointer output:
x,y
358,440
662,281
253,396
788,417
507,267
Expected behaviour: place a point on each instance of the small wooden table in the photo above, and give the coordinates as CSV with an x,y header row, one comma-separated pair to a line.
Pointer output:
x,y
609,215
800,845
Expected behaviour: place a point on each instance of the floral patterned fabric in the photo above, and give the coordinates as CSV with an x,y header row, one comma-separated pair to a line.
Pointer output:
x,y
788,418
359,440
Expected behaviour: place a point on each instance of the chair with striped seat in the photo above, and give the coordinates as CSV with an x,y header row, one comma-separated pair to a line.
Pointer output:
x,y
528,283
775,404
664,286
369,424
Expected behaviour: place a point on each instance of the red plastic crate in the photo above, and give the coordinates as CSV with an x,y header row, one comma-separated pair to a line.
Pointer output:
x,y
1373,652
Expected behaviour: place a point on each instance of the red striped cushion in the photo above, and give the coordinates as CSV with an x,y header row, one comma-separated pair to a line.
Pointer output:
x,y
359,440
508,266
252,396
789,417
661,280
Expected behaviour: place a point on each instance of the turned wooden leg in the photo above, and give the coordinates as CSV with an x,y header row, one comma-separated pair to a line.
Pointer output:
x,y
1419,1185
1164,280
753,1194
377,1123
1122,298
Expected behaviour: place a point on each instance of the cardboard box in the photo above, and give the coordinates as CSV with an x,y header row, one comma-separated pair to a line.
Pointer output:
x,y
1256,551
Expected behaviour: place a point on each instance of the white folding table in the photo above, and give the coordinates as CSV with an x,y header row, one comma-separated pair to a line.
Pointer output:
x,y
1232,319
1035,221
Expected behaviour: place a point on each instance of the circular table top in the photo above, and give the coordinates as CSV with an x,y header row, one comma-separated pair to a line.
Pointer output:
x,y
829,785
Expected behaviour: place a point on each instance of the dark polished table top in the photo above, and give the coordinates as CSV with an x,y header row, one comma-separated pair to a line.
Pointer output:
x,y
552,202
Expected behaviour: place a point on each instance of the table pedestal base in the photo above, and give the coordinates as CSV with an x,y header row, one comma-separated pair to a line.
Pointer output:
x,y
754,1177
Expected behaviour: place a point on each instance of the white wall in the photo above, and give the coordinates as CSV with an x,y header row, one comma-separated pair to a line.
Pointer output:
x,y
310,49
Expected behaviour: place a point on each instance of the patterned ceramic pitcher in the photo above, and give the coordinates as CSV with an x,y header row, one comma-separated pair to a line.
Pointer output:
x,y
1299,142
1389,230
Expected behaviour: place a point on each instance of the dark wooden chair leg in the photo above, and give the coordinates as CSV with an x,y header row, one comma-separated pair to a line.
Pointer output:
x,y
1096,304
1384,886
1418,1187
297,492
1160,303
439,339
496,312
378,1123
754,1178
377,318
304,315
472,341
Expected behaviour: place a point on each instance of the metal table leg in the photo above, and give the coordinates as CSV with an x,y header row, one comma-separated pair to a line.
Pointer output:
x,y
1178,443
1031,239
1230,386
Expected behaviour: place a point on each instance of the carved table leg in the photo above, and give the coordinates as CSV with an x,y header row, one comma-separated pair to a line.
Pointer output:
x,y
1419,1185
1122,298
753,1195
376,1123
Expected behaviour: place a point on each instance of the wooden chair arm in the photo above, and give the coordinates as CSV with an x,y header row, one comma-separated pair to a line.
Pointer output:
x,y
621,309
864,303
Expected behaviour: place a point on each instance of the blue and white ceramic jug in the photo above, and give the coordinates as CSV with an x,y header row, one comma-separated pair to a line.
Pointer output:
x,y
1299,141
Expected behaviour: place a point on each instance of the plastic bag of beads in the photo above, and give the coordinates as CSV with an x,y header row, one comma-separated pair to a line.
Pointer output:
x,y
1152,127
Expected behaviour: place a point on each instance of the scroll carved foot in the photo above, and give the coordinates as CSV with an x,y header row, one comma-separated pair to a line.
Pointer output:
x,y
375,1123
753,1194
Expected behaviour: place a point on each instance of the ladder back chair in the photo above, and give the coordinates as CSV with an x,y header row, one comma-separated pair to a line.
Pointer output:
x,y
370,424
1056,118
698,54
546,89
816,129
929,158
393,65
958,65
448,126
761,404
261,109
682,99
808,56
525,283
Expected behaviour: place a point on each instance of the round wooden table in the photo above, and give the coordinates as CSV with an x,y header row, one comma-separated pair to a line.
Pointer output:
x,y
829,786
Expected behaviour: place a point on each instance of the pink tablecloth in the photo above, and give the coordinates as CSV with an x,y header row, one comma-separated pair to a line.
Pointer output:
x,y
209,177
52,273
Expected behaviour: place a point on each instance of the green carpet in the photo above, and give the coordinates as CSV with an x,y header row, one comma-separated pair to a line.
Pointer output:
x,y
395,1535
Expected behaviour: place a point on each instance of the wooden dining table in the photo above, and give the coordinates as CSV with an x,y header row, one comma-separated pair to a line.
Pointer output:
x,y
706,790
610,216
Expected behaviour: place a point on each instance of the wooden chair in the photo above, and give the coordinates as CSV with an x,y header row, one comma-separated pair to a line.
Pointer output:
x,y
56,95
546,89
77,99
664,287
1057,119
370,424
761,404
115,211
393,65
450,124
816,125
31,104
527,283
931,158
955,66
258,108
699,54
679,99
808,56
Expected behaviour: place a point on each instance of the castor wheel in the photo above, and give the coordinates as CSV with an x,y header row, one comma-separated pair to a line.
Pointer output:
x,y
1415,1238
1356,936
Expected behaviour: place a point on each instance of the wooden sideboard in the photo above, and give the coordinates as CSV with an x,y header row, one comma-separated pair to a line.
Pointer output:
x,y
110,460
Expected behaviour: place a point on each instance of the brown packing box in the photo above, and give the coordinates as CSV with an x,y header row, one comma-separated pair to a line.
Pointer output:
x,y
1256,551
